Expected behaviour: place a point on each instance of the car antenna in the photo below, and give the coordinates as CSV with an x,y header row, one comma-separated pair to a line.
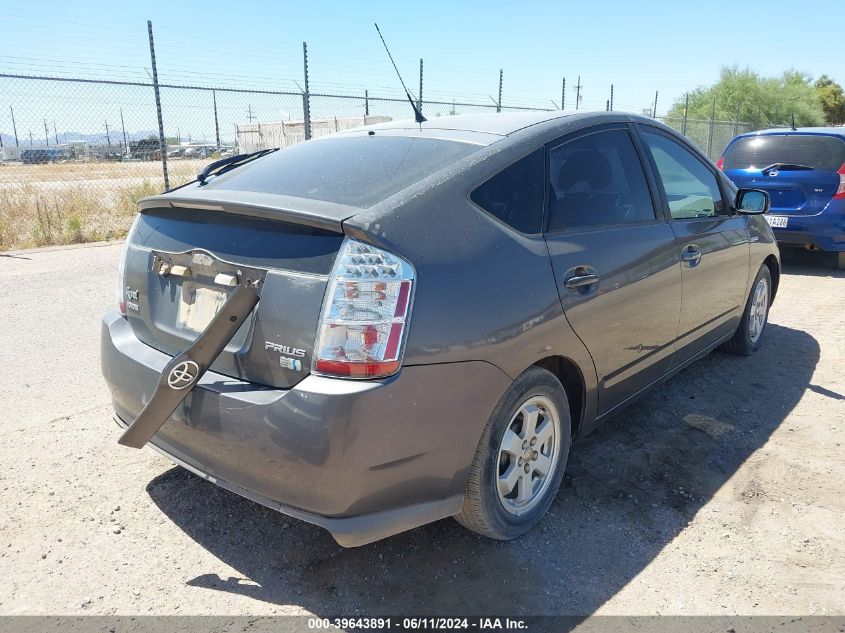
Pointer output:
x,y
793,122
418,117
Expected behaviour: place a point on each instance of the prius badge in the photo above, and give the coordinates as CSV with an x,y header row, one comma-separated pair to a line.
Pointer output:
x,y
286,352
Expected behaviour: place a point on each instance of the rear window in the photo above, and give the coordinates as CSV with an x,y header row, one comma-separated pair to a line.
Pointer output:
x,y
824,153
359,171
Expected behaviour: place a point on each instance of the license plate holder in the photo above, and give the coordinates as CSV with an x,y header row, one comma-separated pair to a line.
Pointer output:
x,y
777,221
198,305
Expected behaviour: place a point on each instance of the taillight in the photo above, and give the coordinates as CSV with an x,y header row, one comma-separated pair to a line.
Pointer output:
x,y
840,192
120,287
121,273
721,163
365,313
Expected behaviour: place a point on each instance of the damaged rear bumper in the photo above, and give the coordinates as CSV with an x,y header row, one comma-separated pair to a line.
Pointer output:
x,y
363,459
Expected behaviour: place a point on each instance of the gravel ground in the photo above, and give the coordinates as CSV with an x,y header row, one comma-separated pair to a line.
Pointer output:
x,y
722,492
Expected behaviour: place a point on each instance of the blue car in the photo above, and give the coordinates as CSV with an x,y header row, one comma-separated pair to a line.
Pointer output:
x,y
803,171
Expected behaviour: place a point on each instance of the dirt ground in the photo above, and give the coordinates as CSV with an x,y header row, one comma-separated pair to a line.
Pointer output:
x,y
721,492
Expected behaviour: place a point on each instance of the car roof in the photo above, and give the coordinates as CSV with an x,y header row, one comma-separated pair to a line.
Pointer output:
x,y
499,124
830,131
487,128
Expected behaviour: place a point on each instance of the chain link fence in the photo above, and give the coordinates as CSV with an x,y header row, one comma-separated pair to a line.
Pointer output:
x,y
77,154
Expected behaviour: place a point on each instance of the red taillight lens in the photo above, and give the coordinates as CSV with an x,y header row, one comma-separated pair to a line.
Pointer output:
x,y
840,192
721,163
120,287
365,314
121,273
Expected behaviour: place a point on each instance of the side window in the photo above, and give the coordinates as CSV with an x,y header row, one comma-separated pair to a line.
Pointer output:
x,y
515,194
597,179
691,189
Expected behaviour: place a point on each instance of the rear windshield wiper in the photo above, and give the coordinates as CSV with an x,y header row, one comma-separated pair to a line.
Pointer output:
x,y
223,165
786,167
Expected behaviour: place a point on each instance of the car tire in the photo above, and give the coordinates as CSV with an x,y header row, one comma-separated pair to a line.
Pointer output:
x,y
746,340
534,407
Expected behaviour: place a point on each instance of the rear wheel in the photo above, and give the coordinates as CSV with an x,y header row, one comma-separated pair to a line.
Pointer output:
x,y
748,335
520,459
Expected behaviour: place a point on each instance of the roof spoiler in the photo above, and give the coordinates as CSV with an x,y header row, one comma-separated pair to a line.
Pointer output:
x,y
316,213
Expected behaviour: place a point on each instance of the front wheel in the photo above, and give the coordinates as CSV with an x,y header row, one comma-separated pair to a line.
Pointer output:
x,y
748,335
520,459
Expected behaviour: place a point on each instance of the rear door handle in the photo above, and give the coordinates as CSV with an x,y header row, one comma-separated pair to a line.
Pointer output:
x,y
579,281
691,255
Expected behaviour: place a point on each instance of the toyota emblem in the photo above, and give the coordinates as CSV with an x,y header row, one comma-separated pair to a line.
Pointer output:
x,y
183,375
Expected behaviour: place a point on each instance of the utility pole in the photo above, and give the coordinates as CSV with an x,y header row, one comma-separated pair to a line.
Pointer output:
x,y
217,125
162,146
686,114
563,94
654,111
123,127
30,138
249,114
366,105
46,134
611,98
578,93
419,98
499,104
14,126
55,132
108,138
607,106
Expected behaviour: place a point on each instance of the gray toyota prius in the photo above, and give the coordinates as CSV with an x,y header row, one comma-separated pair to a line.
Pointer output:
x,y
393,325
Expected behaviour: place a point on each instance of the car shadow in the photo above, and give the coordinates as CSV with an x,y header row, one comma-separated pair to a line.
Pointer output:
x,y
797,261
630,488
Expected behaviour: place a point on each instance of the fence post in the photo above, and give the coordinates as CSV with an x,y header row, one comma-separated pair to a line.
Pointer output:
x,y
306,99
216,124
366,105
499,104
563,94
610,107
736,121
14,126
710,132
161,144
686,113
419,98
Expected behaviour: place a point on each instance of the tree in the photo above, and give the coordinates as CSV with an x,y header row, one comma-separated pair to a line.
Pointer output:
x,y
832,99
744,95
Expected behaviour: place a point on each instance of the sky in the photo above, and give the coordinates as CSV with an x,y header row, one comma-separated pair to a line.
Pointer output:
x,y
639,47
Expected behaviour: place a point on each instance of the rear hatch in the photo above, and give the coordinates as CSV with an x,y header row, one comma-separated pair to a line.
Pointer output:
x,y
279,217
182,262
798,170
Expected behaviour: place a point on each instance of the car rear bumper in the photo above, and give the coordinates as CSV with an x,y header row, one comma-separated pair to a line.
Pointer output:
x,y
363,459
825,231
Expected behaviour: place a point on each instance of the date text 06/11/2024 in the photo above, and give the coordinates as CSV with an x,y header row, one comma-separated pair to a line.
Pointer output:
x,y
419,623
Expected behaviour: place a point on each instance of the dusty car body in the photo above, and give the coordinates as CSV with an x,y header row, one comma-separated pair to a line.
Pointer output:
x,y
554,268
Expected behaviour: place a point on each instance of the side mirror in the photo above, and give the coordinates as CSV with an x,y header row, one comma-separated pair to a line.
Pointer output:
x,y
752,201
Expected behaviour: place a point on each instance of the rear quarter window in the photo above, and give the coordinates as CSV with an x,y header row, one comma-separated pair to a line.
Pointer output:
x,y
359,171
515,195
824,153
